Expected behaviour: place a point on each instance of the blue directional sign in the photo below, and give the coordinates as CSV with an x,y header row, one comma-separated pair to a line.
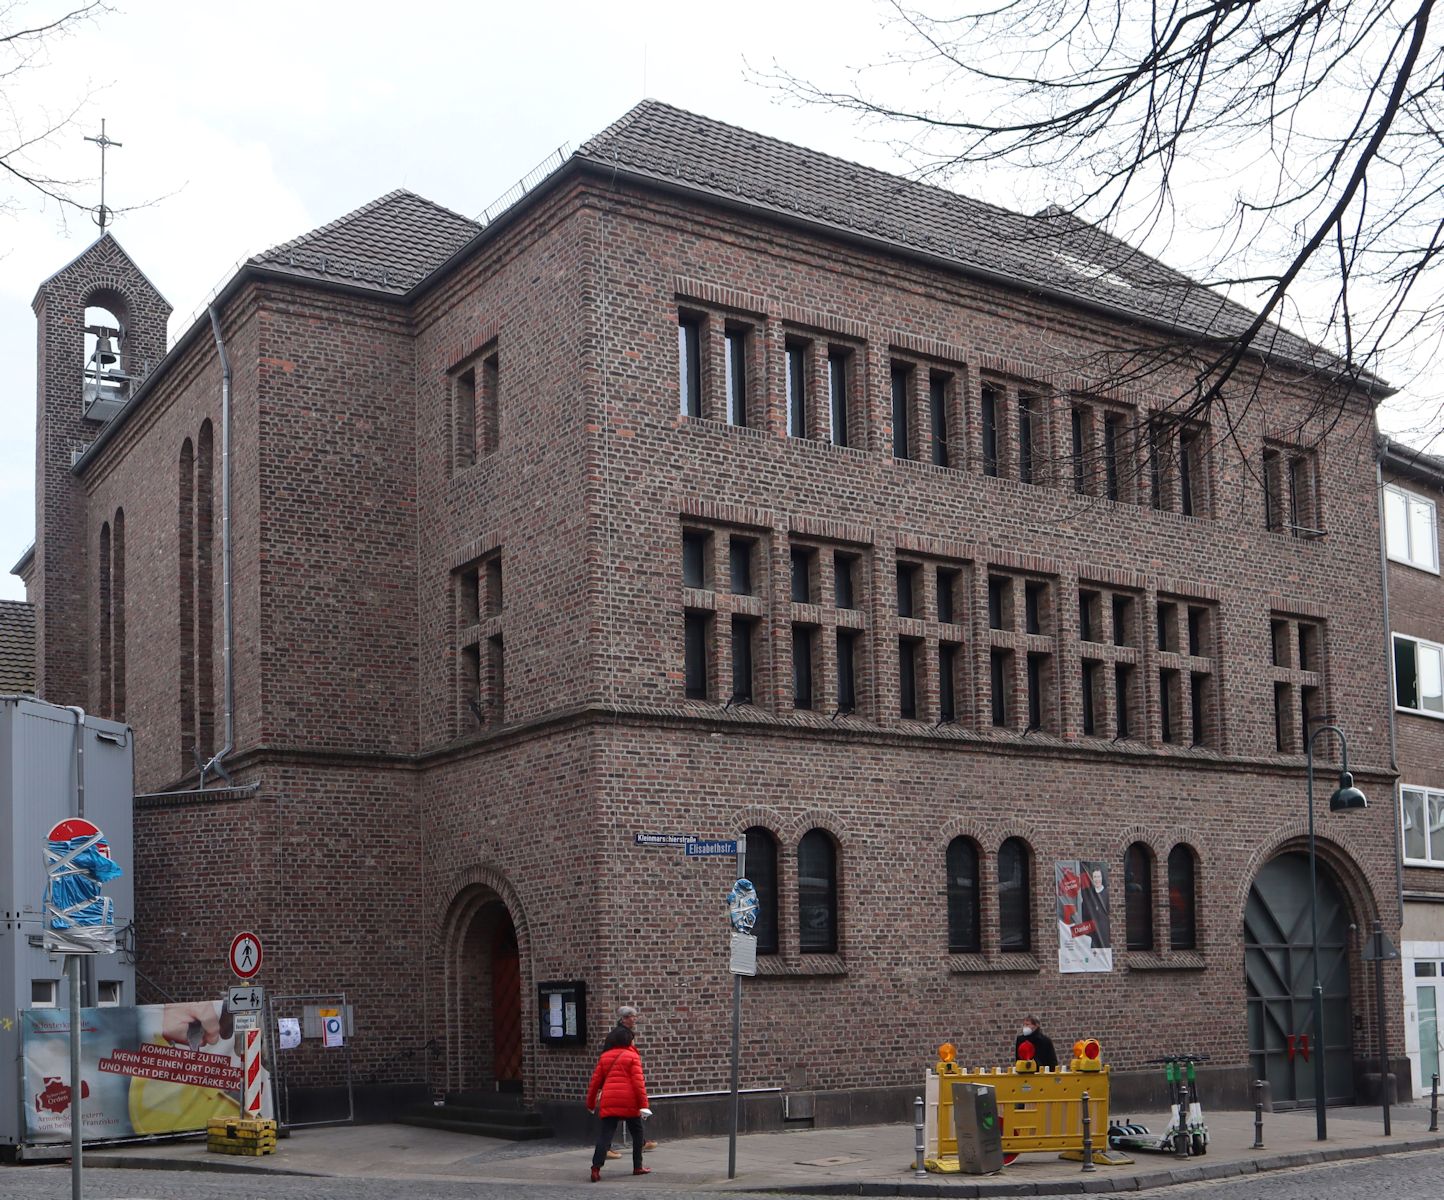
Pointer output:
x,y
713,849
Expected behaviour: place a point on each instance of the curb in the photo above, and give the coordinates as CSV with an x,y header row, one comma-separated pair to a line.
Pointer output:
x,y
134,1162
1111,1183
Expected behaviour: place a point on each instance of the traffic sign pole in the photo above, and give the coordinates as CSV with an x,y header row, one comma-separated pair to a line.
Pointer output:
x,y
736,1031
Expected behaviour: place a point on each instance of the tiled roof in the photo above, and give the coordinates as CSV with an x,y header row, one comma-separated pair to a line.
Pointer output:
x,y
389,245
1415,464
1052,251
17,647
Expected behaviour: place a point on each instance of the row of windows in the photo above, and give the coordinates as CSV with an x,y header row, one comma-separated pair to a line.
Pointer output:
x,y
481,679
724,631
1418,676
1112,452
967,895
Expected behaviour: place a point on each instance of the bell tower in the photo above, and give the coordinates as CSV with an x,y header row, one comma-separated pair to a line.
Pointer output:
x,y
101,331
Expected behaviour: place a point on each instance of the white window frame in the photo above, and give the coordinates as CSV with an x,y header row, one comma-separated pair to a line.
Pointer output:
x,y
53,985
108,993
1436,853
1410,557
1394,682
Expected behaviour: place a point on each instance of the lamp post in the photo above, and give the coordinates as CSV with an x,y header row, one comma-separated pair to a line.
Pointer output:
x,y
1345,797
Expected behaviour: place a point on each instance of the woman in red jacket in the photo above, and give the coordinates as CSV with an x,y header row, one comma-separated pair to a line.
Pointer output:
x,y
618,1092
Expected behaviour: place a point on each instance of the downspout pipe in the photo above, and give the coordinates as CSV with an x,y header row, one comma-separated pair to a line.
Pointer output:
x,y
1389,659
79,758
227,608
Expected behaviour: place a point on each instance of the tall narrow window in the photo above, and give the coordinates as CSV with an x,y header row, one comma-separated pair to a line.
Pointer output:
x,y
1025,439
816,893
1122,678
1112,441
998,664
1187,471
843,566
801,559
496,669
837,389
990,431
965,932
901,440
947,681
1090,683
463,406
801,666
762,871
698,627
796,390
742,630
907,652
488,411
1080,465
1281,708
1033,596
846,670
1035,691
736,376
1182,899
938,415
998,588
739,554
1167,684
117,632
689,366
695,544
1122,611
906,580
1015,906
106,610
947,589
1137,896
1272,471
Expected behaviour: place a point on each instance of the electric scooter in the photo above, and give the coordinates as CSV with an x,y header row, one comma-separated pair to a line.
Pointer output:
x,y
1186,1124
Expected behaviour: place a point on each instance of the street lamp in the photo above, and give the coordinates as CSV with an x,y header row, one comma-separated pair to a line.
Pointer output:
x,y
1345,797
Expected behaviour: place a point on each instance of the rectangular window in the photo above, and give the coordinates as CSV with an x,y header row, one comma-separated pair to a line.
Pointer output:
x,y
846,670
1167,704
1122,682
901,441
938,415
796,390
1308,710
1122,621
1112,448
689,366
695,545
1272,480
464,405
496,666
801,666
1418,675
1080,450
488,423
837,389
736,383
698,626
990,432
1025,439
1410,529
1423,819
907,651
947,681
742,631
1035,691
107,995
1187,471
843,591
999,671
44,993
1197,685
1198,632
906,578
801,575
1089,603
999,589
947,590
1309,656
1033,594
1281,727
1090,684
739,554
1279,642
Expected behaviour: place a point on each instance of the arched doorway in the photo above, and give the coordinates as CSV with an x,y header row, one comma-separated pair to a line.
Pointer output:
x,y
487,1053
1278,964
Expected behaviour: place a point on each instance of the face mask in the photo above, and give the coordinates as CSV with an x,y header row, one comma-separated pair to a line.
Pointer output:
x,y
1028,1031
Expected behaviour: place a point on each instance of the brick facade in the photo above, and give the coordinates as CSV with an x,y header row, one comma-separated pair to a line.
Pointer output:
x,y
390,572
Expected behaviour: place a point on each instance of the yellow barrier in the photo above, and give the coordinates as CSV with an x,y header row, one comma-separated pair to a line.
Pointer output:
x,y
1040,1109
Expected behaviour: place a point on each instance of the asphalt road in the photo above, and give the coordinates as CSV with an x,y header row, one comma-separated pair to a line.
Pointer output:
x,y
1417,1176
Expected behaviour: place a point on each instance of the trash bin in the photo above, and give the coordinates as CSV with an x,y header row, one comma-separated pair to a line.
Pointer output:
x,y
979,1132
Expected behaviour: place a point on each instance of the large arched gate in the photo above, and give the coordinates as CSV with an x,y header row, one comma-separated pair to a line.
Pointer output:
x,y
1278,963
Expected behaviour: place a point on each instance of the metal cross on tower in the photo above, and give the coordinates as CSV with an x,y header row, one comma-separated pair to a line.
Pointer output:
x,y
100,214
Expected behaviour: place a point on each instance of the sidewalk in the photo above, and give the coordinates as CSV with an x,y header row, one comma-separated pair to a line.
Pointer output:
x,y
874,1160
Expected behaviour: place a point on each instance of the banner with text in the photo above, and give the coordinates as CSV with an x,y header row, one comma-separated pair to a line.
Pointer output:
x,y
1085,938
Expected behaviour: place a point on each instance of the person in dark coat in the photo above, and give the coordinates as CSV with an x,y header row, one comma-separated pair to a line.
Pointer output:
x,y
618,1092
1043,1053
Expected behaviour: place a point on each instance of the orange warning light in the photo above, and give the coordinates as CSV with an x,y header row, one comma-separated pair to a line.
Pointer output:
x,y
1091,1048
947,1052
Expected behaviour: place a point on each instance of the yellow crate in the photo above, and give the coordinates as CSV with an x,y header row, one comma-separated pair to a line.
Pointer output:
x,y
254,1149
240,1126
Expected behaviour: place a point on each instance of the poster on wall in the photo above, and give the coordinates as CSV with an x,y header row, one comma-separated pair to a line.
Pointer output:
x,y
152,1069
1085,937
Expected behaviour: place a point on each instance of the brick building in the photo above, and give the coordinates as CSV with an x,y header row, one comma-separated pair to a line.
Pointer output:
x,y
1413,486
718,486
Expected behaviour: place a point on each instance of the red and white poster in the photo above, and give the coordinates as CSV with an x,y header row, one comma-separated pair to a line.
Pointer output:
x,y
1085,936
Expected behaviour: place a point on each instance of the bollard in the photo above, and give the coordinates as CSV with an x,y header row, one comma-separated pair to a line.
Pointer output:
x,y
1434,1107
1180,1137
1258,1086
1087,1135
919,1144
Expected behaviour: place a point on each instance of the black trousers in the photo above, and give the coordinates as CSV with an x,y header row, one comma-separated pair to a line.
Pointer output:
x,y
609,1131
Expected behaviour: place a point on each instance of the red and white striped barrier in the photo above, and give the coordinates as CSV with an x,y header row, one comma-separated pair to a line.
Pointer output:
x,y
251,1066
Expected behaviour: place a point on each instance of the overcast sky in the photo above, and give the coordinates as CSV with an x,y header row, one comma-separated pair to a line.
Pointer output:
x,y
248,125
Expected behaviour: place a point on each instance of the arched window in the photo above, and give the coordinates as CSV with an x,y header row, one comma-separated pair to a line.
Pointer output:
x,y
1138,896
117,619
1182,899
762,871
965,935
103,617
107,381
816,893
1015,903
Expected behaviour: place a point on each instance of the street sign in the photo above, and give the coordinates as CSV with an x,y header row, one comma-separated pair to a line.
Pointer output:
x,y
663,839
1379,947
331,1028
245,999
744,954
245,955
711,849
